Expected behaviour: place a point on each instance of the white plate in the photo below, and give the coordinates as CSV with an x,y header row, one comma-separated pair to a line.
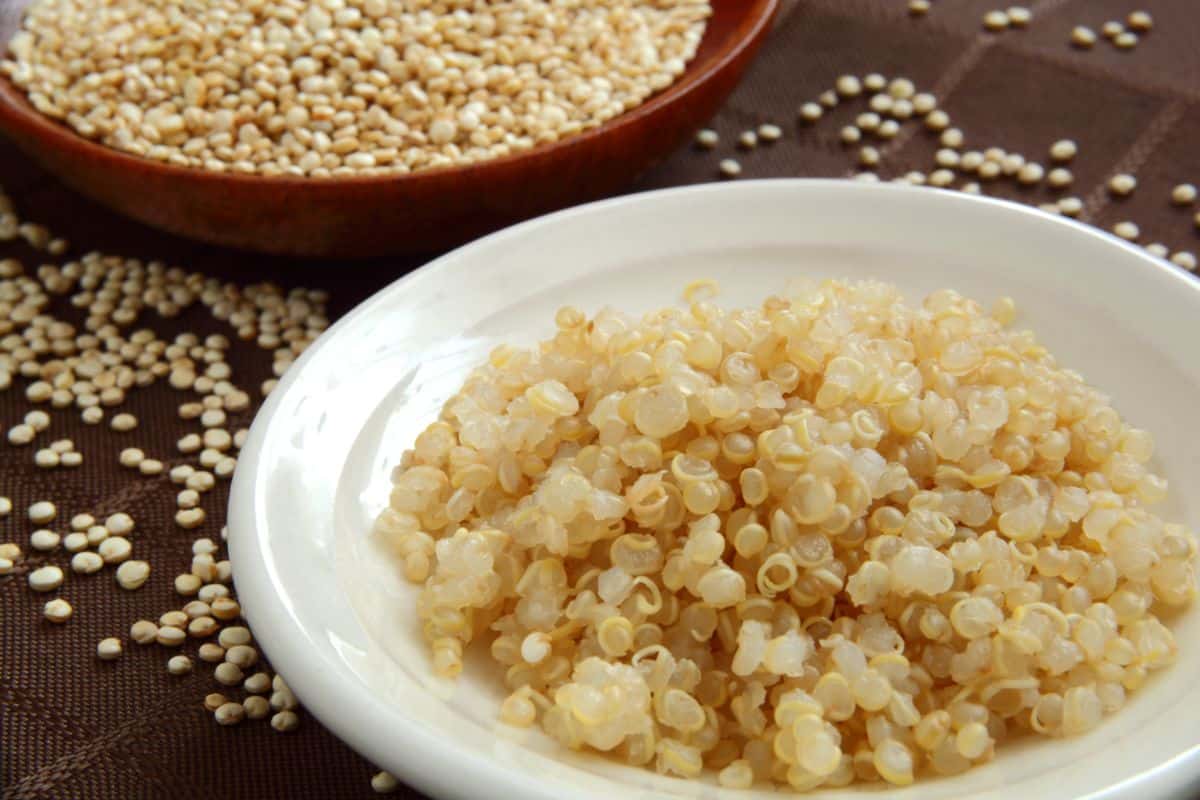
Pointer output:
x,y
338,622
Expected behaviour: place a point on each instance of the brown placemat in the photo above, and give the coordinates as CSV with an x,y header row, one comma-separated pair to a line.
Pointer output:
x,y
74,727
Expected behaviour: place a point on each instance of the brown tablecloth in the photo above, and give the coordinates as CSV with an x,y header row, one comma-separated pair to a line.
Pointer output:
x,y
74,727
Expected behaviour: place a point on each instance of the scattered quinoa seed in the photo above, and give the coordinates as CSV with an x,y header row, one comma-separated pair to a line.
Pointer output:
x,y
1126,230
179,665
57,610
108,649
143,632
42,512
230,714
1070,206
45,579
132,574
707,139
768,132
123,423
384,783
1184,259
1139,20
1122,184
285,721
1019,16
730,168
1183,194
995,20
1126,40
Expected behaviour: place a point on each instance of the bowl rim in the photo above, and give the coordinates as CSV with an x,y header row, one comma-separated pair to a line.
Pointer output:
x,y
17,113
424,756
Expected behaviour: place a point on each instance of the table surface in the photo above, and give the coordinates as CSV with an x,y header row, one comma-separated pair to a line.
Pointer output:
x,y
75,727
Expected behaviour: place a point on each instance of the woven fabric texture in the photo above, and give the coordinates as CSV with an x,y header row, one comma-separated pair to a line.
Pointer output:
x,y
75,728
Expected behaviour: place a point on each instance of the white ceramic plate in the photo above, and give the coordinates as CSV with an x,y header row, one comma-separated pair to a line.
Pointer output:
x,y
338,622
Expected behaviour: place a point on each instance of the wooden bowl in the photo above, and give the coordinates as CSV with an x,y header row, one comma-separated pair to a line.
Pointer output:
x,y
420,212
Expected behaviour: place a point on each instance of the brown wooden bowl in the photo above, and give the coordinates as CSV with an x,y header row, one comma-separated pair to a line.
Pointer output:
x,y
420,212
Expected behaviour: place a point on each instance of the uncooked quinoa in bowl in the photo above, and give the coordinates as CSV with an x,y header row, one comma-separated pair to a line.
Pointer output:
x,y
329,89
830,539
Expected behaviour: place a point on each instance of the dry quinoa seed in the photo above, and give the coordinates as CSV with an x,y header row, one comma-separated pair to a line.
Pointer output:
x,y
1122,184
384,783
1139,20
1183,194
285,721
57,610
109,649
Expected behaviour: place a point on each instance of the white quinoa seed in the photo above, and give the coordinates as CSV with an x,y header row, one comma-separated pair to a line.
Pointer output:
x,y
937,120
228,674
1185,259
87,562
115,550
729,168
1183,194
1019,16
1112,29
1122,184
1158,249
1071,206
384,783
811,112
1059,177
256,707
202,627
143,632
996,20
1063,150
42,512
848,86
57,610
1127,40
212,653
1139,20
123,423
229,714
707,139
109,649
1126,230
132,574
44,540
119,524
285,721
214,700
179,665
97,534
919,8
233,636
21,434
46,458
747,140
769,132
1030,173
258,683
72,459
75,542
187,585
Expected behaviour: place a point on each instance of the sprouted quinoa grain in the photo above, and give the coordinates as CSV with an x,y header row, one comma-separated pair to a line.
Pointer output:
x,y
832,539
